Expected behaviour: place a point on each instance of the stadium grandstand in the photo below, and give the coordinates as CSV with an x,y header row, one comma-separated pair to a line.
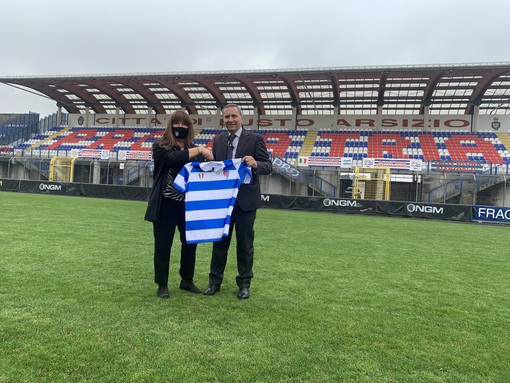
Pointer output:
x,y
432,125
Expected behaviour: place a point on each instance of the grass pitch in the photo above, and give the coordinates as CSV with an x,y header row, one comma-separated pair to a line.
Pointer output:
x,y
335,298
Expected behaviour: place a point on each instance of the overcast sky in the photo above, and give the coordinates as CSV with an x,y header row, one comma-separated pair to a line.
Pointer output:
x,y
55,37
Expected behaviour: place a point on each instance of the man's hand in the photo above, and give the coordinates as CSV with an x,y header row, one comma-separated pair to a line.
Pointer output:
x,y
250,162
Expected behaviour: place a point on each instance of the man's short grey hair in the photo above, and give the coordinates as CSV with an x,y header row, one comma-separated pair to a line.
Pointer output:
x,y
233,106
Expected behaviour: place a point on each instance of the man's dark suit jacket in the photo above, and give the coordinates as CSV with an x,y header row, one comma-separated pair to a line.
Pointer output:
x,y
250,144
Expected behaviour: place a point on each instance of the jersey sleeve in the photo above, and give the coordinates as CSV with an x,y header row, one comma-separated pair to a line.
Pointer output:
x,y
245,174
181,181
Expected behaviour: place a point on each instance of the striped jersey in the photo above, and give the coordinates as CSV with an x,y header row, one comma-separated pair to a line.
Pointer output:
x,y
211,190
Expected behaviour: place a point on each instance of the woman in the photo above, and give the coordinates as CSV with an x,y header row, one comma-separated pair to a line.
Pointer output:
x,y
166,204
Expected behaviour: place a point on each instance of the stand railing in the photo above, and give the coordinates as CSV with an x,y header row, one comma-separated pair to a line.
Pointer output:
x,y
306,177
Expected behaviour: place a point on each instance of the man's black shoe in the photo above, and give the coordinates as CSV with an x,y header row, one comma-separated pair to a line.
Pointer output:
x,y
187,284
163,292
212,289
244,293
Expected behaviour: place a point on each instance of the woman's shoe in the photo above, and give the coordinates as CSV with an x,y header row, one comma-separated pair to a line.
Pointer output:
x,y
163,292
187,284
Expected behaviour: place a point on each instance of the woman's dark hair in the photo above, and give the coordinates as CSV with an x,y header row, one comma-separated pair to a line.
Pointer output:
x,y
167,141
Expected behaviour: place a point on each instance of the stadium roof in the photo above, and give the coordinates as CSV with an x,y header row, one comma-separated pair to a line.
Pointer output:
x,y
445,88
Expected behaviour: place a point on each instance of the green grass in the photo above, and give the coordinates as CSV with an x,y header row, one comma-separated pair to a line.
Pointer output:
x,y
335,298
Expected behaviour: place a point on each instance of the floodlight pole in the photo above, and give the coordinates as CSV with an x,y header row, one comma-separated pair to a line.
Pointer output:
x,y
416,187
9,167
444,188
313,183
504,190
475,187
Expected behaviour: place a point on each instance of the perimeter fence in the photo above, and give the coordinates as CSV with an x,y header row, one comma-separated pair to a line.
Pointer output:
x,y
486,188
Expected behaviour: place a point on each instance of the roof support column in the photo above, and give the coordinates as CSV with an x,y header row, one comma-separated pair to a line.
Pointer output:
x,y
294,114
426,114
150,110
336,110
87,115
219,114
256,115
379,115
117,114
475,118
59,114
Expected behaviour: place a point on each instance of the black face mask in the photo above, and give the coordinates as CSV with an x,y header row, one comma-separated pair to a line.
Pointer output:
x,y
180,132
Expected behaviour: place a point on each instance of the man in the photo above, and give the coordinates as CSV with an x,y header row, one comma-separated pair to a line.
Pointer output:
x,y
239,143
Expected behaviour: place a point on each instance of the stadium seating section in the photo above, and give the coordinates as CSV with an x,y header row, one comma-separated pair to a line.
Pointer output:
x,y
482,147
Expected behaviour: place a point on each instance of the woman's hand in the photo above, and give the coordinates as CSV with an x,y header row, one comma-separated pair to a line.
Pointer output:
x,y
207,153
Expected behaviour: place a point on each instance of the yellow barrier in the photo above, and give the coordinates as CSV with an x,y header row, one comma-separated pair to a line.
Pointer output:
x,y
62,169
372,183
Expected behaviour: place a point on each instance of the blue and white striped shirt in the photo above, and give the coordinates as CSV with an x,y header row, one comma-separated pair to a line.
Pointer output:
x,y
211,190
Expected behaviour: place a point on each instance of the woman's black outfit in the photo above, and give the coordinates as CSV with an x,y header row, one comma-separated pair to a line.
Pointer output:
x,y
166,212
